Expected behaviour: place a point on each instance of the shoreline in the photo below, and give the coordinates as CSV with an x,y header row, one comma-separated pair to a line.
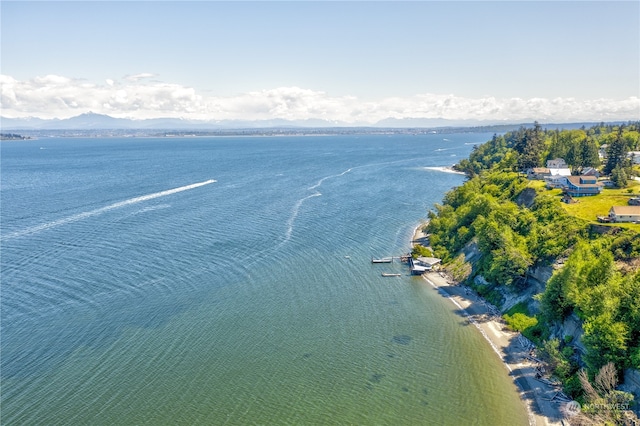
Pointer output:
x,y
536,396
444,169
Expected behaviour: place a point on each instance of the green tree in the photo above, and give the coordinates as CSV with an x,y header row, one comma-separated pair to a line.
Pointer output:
x,y
589,153
606,341
530,147
558,363
619,177
630,305
631,138
616,153
559,146
556,303
509,265
567,145
484,157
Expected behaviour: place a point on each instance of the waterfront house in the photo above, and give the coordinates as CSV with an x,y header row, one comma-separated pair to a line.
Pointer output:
x,y
582,186
423,264
429,262
625,214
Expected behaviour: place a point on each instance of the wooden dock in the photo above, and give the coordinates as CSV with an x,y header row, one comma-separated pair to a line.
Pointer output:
x,y
403,259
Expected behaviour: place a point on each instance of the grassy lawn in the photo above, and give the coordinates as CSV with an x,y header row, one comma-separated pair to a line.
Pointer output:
x,y
588,208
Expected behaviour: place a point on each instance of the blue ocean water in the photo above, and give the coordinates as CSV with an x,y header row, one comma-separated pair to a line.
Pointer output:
x,y
228,280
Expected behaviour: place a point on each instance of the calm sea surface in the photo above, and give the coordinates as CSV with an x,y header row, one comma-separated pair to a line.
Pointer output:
x,y
136,290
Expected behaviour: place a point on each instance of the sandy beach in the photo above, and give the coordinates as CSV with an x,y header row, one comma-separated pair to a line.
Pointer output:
x,y
537,396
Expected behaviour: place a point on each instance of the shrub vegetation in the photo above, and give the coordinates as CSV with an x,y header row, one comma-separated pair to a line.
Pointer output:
x,y
599,280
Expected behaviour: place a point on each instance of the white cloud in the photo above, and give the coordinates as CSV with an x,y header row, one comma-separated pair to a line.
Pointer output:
x,y
140,76
61,97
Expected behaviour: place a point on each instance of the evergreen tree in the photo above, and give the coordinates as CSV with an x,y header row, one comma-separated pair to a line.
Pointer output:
x,y
530,147
619,177
616,153
559,147
589,153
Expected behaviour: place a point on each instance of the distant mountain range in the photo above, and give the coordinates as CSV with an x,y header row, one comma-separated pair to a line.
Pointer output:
x,y
100,121
92,121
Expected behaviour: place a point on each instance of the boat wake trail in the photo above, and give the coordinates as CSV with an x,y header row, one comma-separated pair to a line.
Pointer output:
x,y
294,214
84,215
328,177
300,202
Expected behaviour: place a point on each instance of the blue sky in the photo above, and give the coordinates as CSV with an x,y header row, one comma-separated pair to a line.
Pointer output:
x,y
356,62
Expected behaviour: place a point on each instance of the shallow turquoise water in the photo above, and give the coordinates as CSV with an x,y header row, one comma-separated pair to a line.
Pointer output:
x,y
251,300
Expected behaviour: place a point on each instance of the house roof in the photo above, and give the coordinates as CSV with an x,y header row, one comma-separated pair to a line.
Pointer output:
x,y
540,170
429,260
575,181
560,172
419,268
625,210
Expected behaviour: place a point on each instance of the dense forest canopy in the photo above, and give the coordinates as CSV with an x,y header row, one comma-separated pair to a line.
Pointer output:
x,y
516,225
532,147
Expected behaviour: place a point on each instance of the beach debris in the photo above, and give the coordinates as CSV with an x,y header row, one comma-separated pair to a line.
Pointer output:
x,y
546,381
533,359
559,397
525,343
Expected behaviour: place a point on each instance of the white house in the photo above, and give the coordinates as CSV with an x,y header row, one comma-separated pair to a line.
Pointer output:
x,y
562,171
423,264
602,152
625,214
634,156
556,181
557,163
557,177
